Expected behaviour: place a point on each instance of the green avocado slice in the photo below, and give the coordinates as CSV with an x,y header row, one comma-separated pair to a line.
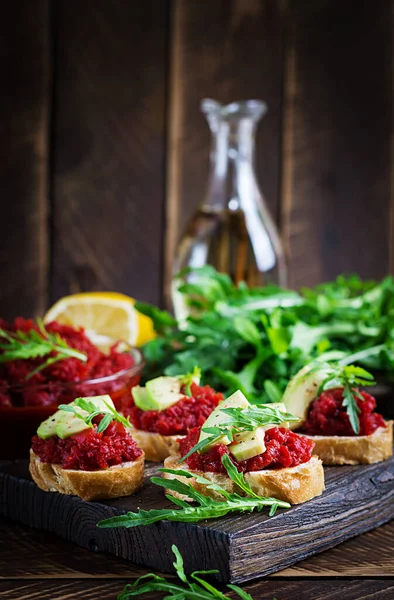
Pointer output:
x,y
64,424
163,392
47,428
248,444
141,398
302,390
69,424
251,443
217,416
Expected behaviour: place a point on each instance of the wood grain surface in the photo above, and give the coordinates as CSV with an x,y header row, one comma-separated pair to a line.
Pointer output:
x,y
25,71
104,151
336,150
210,42
356,499
109,123
44,555
266,590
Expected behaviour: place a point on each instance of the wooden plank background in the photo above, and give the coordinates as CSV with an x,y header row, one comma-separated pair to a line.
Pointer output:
x,y
25,73
337,123
108,144
104,152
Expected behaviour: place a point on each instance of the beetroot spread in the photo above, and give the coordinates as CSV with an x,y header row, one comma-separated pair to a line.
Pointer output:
x,y
328,416
89,450
180,417
46,386
284,448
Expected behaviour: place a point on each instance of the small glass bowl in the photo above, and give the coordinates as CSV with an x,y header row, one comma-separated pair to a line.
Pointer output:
x,y
19,423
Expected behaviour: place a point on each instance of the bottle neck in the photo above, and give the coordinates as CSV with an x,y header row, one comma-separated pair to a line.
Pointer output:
x,y
231,160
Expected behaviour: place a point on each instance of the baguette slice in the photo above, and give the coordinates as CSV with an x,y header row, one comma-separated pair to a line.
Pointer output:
x,y
156,446
355,450
120,480
294,485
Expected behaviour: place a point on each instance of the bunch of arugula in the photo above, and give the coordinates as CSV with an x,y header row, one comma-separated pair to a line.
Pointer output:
x,y
205,507
91,411
197,589
247,338
33,344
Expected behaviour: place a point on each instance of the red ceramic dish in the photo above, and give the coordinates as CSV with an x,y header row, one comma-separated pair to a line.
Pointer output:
x,y
19,423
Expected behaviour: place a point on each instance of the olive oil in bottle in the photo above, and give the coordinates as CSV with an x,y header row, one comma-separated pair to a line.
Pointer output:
x,y
232,230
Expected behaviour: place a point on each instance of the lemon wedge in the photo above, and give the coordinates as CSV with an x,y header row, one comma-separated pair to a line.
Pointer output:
x,y
105,316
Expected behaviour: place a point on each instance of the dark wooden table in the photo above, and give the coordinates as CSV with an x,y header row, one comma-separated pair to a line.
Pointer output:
x,y
37,565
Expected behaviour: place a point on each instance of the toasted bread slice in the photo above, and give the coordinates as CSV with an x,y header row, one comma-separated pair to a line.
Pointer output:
x,y
120,480
355,450
156,446
294,485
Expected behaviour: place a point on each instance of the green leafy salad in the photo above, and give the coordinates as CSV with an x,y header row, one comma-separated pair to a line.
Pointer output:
x,y
256,339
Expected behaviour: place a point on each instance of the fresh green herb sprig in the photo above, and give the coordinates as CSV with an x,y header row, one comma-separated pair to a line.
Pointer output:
x,y
346,377
197,589
242,337
206,508
33,344
91,411
240,420
192,377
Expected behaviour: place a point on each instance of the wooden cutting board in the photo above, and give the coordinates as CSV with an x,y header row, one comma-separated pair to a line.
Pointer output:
x,y
241,547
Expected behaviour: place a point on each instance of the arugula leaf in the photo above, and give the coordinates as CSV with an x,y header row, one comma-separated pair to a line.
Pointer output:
x,y
277,336
241,593
350,403
189,378
199,478
87,405
161,319
203,443
207,508
272,390
241,337
307,337
247,330
188,490
91,411
202,590
237,477
240,420
105,421
178,564
244,379
33,344
214,592
346,376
